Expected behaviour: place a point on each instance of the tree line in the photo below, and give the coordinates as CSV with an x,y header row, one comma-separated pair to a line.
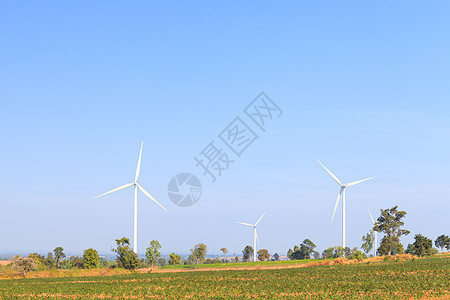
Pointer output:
x,y
389,223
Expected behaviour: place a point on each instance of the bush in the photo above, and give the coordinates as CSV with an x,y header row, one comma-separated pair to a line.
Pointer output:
x,y
126,258
91,259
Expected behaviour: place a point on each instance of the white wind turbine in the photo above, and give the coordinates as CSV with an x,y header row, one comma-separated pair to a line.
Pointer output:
x,y
136,186
342,192
255,235
373,221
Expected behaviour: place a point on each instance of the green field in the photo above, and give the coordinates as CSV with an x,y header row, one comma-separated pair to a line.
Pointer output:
x,y
411,279
241,264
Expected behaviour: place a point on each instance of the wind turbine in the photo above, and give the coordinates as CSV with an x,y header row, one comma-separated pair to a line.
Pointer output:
x,y
136,187
255,235
342,193
375,249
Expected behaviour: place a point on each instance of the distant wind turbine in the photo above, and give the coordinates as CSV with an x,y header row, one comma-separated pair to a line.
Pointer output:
x,y
136,186
342,193
255,235
373,221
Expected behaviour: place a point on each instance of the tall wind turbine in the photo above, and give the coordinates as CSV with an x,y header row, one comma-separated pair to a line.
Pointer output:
x,y
342,193
255,235
373,221
136,187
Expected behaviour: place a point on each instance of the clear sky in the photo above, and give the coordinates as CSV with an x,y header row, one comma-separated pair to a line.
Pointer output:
x,y
363,85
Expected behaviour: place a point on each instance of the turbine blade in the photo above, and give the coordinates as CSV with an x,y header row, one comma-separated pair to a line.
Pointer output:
x,y
257,240
116,189
329,172
138,169
260,219
245,224
150,196
359,181
337,202
371,217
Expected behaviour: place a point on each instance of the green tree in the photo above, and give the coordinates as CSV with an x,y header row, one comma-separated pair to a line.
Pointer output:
x,y
386,247
90,259
50,261
368,241
328,253
59,254
356,254
225,251
198,253
423,245
263,255
276,256
247,253
126,258
389,223
411,249
152,253
442,242
40,259
174,259
303,251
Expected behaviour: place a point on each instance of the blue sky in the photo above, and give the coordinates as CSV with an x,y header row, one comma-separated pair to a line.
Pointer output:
x,y
364,87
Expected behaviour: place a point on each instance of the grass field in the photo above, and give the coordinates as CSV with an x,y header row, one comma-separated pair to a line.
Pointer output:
x,y
409,279
239,264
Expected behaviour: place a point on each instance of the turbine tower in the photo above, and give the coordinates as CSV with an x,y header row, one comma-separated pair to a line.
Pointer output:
x,y
342,193
255,235
375,249
136,187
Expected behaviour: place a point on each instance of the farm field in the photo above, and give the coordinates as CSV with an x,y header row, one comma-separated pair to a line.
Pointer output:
x,y
410,279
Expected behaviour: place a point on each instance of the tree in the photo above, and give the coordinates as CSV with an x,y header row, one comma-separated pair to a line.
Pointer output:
x,y
356,254
49,260
40,260
422,245
198,253
386,243
76,262
442,242
263,255
152,253
59,254
389,223
276,256
306,249
316,255
225,251
303,251
368,241
328,253
24,265
174,259
90,259
247,253
411,249
126,258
